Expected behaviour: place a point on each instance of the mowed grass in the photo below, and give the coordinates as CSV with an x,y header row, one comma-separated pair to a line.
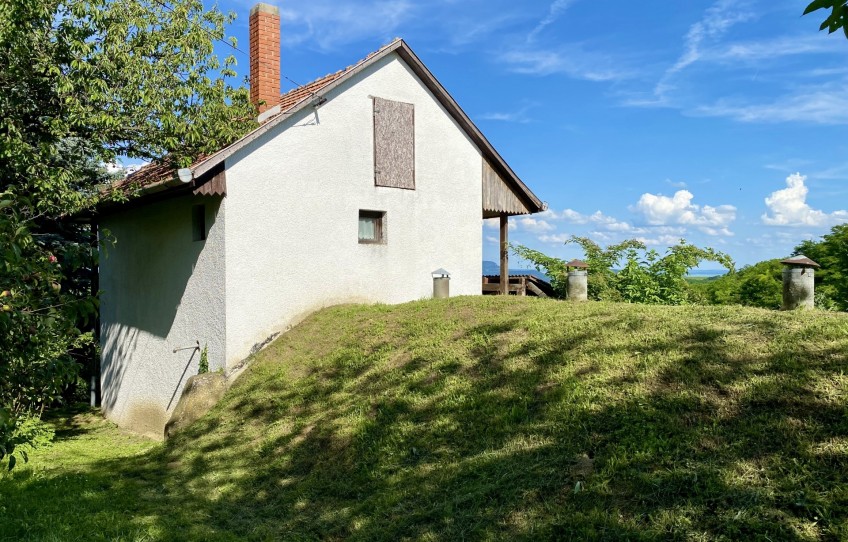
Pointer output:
x,y
483,419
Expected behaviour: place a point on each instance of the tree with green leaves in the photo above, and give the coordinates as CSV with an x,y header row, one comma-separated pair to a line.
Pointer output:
x,y
836,19
644,276
83,83
831,252
758,285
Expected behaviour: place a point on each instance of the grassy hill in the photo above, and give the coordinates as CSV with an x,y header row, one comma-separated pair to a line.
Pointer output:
x,y
479,419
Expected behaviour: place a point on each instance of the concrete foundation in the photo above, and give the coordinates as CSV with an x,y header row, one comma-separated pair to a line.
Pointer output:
x,y
578,286
798,288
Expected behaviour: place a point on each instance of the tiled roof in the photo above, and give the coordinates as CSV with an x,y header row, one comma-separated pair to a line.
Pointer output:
x,y
297,95
158,177
148,175
158,172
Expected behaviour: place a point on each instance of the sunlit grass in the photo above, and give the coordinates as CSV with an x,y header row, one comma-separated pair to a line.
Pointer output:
x,y
483,418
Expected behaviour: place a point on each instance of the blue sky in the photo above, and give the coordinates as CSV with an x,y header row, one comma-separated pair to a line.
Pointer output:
x,y
721,122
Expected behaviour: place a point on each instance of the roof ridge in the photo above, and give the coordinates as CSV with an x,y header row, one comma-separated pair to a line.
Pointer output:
x,y
293,97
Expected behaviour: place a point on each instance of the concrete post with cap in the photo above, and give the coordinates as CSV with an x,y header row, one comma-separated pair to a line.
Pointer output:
x,y
799,287
577,285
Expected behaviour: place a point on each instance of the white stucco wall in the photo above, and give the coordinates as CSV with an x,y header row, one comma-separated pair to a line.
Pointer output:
x,y
160,291
293,201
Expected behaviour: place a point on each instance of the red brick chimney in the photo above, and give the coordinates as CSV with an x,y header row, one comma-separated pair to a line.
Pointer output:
x,y
265,56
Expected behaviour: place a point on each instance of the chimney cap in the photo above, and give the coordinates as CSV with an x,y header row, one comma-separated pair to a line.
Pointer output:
x,y
800,261
262,7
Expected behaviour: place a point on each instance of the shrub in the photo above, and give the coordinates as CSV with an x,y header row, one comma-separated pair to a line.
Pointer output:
x,y
646,275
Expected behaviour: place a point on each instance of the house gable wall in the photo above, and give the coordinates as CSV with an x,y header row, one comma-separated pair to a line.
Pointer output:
x,y
293,201
161,291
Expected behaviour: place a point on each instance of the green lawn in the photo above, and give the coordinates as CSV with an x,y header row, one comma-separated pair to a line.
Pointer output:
x,y
479,419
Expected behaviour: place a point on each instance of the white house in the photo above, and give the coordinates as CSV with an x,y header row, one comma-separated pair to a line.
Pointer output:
x,y
354,189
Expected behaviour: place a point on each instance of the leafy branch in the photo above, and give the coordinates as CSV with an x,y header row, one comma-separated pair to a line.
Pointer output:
x,y
629,271
836,19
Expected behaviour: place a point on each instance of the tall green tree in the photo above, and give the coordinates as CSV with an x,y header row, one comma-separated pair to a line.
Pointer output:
x,y
82,83
758,285
831,252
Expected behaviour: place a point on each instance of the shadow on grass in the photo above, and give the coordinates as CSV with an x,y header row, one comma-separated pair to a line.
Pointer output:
x,y
532,421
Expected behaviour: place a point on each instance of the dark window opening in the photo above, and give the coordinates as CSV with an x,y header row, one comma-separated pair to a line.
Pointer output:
x,y
198,222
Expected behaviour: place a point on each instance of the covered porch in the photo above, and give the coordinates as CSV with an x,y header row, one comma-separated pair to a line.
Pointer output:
x,y
504,195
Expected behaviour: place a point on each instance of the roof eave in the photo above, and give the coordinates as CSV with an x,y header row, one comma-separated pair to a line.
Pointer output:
x,y
533,203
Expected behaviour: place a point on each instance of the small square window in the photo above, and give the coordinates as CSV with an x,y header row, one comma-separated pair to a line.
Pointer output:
x,y
372,227
198,222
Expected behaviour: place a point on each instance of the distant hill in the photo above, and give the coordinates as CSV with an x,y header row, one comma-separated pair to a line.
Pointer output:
x,y
707,272
492,268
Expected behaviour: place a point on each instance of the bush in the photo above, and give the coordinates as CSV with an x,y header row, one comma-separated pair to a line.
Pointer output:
x,y
646,275
22,435
831,252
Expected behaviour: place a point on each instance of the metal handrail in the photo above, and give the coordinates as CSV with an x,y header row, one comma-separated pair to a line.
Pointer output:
x,y
196,347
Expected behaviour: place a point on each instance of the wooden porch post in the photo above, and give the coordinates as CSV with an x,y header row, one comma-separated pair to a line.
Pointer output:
x,y
504,254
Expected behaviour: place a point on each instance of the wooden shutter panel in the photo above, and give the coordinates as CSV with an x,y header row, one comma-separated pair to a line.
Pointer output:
x,y
394,144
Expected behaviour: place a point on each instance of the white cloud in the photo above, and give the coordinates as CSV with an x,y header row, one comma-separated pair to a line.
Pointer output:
x,y
662,240
505,117
790,164
601,236
534,225
557,8
825,72
571,60
548,214
557,239
772,49
609,223
706,43
656,239
717,20
119,168
837,172
520,116
493,240
660,210
331,24
495,223
818,105
717,232
608,228
788,207
472,27
112,167
573,217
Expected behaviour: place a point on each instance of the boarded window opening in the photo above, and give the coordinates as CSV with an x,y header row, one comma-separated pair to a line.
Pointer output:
x,y
372,227
394,144
198,222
